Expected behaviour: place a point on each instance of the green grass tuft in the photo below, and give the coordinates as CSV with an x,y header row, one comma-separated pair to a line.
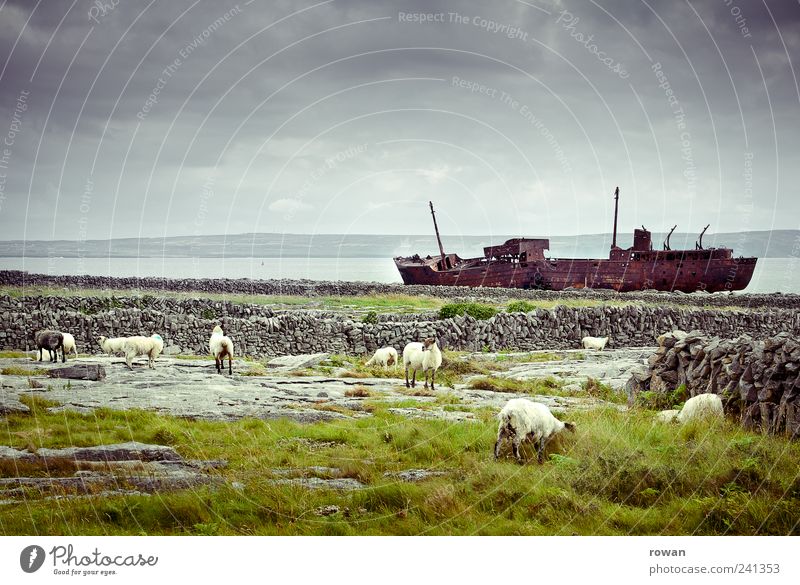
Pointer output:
x,y
21,371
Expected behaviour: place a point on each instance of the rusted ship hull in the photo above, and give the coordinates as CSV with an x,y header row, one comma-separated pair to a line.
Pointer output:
x,y
521,263
659,273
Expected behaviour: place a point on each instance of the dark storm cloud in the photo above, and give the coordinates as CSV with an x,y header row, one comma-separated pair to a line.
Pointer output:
x,y
345,116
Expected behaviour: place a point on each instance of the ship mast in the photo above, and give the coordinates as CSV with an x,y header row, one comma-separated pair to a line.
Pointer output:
x,y
698,245
616,208
666,242
436,227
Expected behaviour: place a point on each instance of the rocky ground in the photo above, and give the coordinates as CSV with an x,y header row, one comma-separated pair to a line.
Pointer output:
x,y
191,387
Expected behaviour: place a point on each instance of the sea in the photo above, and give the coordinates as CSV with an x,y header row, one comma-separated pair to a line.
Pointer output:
x,y
771,274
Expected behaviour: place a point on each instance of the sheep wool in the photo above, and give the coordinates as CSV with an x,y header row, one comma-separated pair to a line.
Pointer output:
x,y
113,345
385,356
702,406
521,419
52,341
431,360
140,345
412,360
220,346
594,342
69,344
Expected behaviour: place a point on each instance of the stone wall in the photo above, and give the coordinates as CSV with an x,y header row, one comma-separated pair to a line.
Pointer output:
x,y
311,288
185,325
758,380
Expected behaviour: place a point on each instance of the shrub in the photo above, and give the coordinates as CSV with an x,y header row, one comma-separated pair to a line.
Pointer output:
x,y
475,310
208,313
663,401
520,307
370,317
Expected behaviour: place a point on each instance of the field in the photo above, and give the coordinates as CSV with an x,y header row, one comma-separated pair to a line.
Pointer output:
x,y
620,473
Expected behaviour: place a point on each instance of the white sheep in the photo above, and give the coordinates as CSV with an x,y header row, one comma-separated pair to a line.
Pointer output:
x,y
521,419
69,344
431,361
112,346
594,342
385,356
139,345
667,416
700,407
424,356
412,358
221,346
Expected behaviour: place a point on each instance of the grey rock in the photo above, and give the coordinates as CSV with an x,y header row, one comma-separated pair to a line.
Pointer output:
x,y
116,452
316,483
296,362
11,453
92,372
414,475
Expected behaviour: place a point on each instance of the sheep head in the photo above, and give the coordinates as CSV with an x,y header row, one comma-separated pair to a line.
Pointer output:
x,y
428,343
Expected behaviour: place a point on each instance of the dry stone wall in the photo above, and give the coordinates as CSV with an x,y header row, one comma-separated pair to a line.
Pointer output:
x,y
758,380
185,325
312,288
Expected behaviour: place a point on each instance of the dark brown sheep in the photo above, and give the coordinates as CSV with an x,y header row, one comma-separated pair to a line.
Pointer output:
x,y
52,341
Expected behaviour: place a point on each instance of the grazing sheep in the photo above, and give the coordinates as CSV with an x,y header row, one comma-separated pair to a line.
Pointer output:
x,y
112,346
385,356
667,416
594,342
139,345
52,341
221,346
431,361
69,344
700,407
521,419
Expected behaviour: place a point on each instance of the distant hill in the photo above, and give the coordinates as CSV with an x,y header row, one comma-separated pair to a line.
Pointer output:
x,y
763,244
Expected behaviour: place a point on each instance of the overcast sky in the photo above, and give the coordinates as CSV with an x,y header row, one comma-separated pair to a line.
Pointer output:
x,y
123,118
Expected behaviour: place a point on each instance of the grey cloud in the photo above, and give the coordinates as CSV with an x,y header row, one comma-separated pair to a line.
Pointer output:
x,y
544,164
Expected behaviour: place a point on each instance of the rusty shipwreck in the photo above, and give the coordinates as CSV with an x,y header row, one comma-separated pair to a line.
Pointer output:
x,y
521,263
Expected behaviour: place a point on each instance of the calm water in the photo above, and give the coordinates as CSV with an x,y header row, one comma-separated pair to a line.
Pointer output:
x,y
771,275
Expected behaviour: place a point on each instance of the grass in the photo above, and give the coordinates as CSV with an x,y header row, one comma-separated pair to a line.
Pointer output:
x,y
13,354
21,371
549,386
379,303
536,356
357,391
454,368
619,474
